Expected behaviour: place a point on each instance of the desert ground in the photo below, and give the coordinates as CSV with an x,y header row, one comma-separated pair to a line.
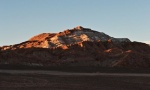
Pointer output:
x,y
60,80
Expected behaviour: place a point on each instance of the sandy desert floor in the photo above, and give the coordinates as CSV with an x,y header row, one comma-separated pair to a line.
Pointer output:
x,y
56,80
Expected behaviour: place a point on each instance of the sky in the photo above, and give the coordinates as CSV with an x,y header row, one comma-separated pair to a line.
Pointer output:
x,y
22,19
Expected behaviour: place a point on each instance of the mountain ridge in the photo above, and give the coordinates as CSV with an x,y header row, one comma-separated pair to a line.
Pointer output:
x,y
77,47
67,37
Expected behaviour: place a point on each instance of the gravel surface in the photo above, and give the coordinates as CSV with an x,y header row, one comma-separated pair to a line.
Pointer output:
x,y
56,80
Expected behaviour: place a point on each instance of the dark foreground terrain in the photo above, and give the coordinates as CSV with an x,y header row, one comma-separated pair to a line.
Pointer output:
x,y
56,80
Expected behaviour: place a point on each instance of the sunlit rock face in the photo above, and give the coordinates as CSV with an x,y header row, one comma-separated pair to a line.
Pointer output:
x,y
67,37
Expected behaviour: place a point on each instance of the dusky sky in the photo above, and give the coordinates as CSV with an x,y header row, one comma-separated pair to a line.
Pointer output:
x,y
22,19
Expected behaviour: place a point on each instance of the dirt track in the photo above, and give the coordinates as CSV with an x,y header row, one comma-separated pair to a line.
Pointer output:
x,y
70,73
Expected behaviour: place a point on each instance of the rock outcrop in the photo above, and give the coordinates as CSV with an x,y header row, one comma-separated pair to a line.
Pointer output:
x,y
67,37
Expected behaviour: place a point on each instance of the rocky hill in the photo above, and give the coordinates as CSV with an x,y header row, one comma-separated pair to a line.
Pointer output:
x,y
77,47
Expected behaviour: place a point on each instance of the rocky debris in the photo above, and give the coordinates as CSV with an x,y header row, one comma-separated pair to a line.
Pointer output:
x,y
77,47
